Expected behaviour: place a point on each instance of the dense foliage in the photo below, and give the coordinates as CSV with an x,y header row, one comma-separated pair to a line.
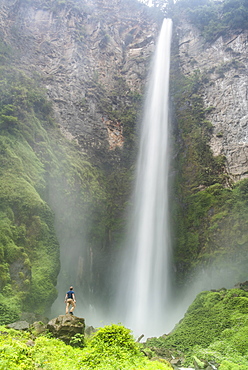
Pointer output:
x,y
112,348
214,18
28,245
214,328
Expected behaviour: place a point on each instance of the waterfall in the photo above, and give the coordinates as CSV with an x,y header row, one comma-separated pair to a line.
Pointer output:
x,y
145,279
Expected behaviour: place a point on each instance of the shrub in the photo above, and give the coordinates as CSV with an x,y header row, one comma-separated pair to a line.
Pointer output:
x,y
104,352
215,327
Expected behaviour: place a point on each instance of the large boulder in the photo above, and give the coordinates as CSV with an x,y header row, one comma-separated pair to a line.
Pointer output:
x,y
65,327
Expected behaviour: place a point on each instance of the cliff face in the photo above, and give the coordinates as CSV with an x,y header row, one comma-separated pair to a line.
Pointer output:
x,y
224,65
210,100
84,51
91,60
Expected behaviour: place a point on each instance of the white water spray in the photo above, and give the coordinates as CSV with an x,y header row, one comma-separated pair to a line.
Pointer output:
x,y
145,283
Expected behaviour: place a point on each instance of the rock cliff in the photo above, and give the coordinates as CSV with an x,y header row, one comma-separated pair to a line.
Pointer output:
x,y
92,58
83,51
223,64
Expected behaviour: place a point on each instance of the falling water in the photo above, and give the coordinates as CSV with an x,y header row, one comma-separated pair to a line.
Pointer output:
x,y
146,293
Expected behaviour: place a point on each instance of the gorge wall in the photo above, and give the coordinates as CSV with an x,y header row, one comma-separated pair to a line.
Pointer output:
x,y
209,98
72,87
224,66
90,55
89,60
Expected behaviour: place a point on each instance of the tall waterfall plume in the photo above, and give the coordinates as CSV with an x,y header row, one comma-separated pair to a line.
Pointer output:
x,y
145,278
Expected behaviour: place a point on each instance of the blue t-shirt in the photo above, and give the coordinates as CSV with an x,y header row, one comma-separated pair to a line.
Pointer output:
x,y
69,294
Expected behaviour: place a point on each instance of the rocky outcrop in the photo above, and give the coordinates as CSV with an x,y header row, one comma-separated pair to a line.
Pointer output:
x,y
224,64
65,327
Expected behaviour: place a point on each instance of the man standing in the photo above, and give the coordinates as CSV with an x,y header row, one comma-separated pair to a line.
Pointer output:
x,y
70,300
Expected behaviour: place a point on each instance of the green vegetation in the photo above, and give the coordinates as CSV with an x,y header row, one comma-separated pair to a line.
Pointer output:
x,y
214,328
27,233
214,229
214,18
111,348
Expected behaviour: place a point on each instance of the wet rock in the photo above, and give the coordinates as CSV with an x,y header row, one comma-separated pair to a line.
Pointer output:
x,y
212,365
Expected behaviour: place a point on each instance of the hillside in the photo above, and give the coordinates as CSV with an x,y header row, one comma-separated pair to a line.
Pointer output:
x,y
212,334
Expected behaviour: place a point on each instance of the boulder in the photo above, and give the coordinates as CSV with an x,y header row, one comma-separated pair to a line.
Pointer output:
x,y
19,325
66,327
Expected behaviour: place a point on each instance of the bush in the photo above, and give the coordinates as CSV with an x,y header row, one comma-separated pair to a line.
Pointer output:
x,y
215,327
9,312
104,352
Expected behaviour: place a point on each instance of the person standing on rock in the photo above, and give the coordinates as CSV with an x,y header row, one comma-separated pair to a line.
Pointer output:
x,y
70,300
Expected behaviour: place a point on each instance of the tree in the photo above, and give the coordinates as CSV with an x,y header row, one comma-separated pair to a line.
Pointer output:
x,y
163,5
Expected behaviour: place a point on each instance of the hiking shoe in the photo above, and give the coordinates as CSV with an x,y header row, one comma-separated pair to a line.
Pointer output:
x,y
71,313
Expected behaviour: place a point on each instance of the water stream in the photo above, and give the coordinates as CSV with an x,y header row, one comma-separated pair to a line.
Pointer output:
x,y
145,279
